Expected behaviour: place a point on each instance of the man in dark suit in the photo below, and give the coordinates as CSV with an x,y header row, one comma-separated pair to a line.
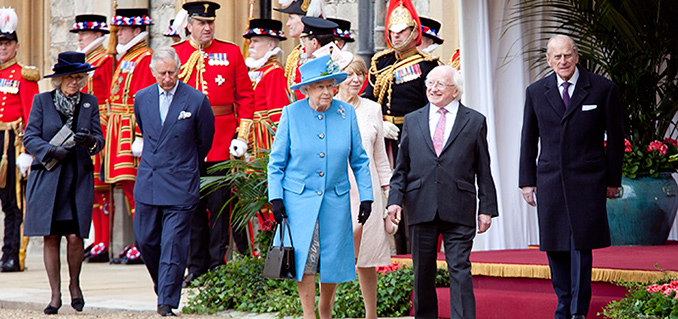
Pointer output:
x,y
443,155
571,111
177,124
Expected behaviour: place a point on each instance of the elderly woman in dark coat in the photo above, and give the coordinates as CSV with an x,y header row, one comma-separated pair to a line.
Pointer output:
x,y
60,191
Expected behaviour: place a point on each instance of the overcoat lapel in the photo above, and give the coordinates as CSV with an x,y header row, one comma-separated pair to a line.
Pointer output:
x,y
553,96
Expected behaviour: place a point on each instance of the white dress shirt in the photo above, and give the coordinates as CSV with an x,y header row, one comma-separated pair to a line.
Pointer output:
x,y
434,116
572,80
166,98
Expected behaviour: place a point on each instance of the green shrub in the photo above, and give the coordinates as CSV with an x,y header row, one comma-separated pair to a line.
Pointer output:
x,y
640,303
239,285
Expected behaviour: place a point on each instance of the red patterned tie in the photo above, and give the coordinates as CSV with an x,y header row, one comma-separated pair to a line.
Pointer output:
x,y
439,134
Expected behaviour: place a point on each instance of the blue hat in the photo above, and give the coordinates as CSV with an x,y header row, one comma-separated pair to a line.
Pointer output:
x,y
70,62
320,69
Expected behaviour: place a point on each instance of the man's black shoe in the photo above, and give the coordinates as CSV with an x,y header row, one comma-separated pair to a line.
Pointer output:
x,y
11,265
187,280
165,311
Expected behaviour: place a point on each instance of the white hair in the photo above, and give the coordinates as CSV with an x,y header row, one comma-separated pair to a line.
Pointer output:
x,y
561,37
165,54
457,78
56,81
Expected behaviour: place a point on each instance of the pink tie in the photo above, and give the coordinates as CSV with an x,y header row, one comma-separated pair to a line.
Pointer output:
x,y
438,136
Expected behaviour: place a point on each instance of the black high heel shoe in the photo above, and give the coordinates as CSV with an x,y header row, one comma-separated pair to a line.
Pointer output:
x,y
51,310
77,303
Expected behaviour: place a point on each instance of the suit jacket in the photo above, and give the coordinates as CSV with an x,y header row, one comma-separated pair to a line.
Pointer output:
x,y
446,185
574,167
168,171
41,190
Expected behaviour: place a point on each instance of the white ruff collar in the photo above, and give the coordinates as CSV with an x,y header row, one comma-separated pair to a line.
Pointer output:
x,y
88,48
122,48
253,64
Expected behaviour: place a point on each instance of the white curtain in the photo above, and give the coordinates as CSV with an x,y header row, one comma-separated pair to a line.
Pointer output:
x,y
494,84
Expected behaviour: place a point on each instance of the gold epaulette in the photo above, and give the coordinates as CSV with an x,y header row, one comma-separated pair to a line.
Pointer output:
x,y
381,54
224,41
29,72
180,42
291,64
429,57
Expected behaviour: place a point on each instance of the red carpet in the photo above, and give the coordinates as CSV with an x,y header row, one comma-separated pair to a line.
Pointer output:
x,y
516,283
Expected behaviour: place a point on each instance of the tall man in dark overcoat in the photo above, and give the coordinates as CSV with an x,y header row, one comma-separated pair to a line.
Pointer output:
x,y
570,113
177,124
443,155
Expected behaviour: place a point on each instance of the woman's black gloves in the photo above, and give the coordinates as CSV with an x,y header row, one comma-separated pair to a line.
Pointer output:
x,y
84,138
278,210
58,152
365,211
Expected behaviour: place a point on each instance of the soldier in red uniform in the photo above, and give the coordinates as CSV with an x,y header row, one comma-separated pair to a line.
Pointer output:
x,y
270,88
18,85
91,29
132,74
268,80
217,69
296,9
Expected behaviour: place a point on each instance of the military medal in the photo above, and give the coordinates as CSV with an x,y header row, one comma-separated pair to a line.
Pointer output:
x,y
127,66
9,86
218,59
407,74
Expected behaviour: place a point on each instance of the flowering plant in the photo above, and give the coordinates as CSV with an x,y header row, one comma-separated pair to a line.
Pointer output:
x,y
651,159
646,300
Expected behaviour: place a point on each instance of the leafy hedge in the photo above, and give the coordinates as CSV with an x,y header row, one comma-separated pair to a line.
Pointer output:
x,y
239,285
646,301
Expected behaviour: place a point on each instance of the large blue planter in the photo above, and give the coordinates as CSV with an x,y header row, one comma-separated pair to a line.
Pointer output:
x,y
644,213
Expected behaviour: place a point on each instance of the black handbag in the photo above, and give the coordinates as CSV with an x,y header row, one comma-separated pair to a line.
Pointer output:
x,y
279,262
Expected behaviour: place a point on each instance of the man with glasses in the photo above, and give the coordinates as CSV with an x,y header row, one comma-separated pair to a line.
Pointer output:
x,y
443,155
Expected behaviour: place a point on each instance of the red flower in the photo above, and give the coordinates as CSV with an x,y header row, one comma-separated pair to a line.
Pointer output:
x,y
628,148
657,146
671,141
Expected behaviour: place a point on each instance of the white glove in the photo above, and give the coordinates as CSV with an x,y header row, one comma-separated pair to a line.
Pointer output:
x,y
24,161
238,147
137,147
391,130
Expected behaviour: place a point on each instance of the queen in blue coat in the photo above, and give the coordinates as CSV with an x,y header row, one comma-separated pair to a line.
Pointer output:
x,y
317,139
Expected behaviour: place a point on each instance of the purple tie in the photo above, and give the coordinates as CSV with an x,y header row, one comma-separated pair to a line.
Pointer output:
x,y
566,93
439,134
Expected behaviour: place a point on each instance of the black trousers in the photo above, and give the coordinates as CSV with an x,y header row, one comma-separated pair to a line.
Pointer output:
x,y
13,216
210,226
458,241
571,279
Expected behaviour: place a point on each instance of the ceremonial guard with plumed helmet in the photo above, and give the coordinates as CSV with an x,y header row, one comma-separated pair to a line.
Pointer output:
x,y
397,77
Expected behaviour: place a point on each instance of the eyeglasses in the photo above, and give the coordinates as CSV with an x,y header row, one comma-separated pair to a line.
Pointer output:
x,y
436,84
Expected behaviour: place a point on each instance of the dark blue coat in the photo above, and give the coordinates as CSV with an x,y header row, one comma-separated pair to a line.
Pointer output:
x,y
168,172
574,167
41,192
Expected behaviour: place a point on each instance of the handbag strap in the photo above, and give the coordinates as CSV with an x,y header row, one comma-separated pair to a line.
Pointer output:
x,y
283,225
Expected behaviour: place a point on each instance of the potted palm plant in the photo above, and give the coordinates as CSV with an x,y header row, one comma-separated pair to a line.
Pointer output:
x,y
634,43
